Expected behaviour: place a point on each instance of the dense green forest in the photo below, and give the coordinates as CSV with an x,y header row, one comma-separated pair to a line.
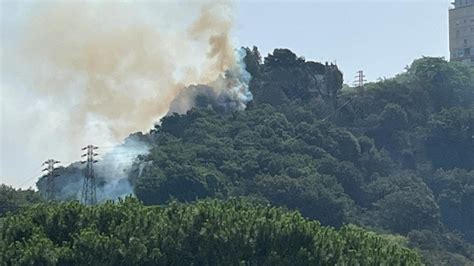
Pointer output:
x,y
13,200
395,156
205,233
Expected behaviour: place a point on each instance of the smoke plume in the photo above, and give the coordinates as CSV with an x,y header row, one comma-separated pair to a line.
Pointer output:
x,y
80,73
229,92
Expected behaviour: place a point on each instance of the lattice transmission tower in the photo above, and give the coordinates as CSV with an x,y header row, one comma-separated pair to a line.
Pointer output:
x,y
50,179
88,196
360,79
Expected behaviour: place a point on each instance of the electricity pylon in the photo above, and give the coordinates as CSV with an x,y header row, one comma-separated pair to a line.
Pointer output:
x,y
360,79
50,179
88,196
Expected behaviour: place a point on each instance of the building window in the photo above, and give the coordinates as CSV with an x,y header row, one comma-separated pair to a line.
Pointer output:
x,y
458,53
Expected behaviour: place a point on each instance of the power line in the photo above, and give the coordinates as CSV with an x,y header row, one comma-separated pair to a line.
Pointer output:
x,y
29,177
339,108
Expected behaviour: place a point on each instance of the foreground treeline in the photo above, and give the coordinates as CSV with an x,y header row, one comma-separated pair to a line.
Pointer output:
x,y
205,233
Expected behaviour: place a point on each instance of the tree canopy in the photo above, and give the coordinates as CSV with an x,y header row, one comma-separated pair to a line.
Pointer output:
x,y
205,233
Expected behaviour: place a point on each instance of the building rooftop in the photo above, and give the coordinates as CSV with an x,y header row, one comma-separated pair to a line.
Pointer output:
x,y
463,3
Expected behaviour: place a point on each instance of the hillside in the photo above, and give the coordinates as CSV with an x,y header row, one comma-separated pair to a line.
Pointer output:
x,y
395,156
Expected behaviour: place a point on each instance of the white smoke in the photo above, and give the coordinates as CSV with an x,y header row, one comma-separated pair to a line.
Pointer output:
x,y
111,172
114,169
229,92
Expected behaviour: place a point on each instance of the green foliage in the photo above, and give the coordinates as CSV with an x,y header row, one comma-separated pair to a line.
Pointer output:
x,y
307,195
404,203
449,84
454,191
441,248
11,199
450,138
284,78
205,233
403,211
250,153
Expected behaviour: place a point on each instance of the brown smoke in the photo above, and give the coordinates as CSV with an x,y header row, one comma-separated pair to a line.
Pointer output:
x,y
122,72
216,30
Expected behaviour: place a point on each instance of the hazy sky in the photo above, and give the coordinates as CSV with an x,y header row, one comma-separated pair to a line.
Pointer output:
x,y
379,37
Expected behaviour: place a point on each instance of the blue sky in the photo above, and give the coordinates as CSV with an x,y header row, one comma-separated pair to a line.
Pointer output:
x,y
379,37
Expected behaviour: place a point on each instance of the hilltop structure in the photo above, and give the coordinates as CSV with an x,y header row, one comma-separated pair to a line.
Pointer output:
x,y
461,31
